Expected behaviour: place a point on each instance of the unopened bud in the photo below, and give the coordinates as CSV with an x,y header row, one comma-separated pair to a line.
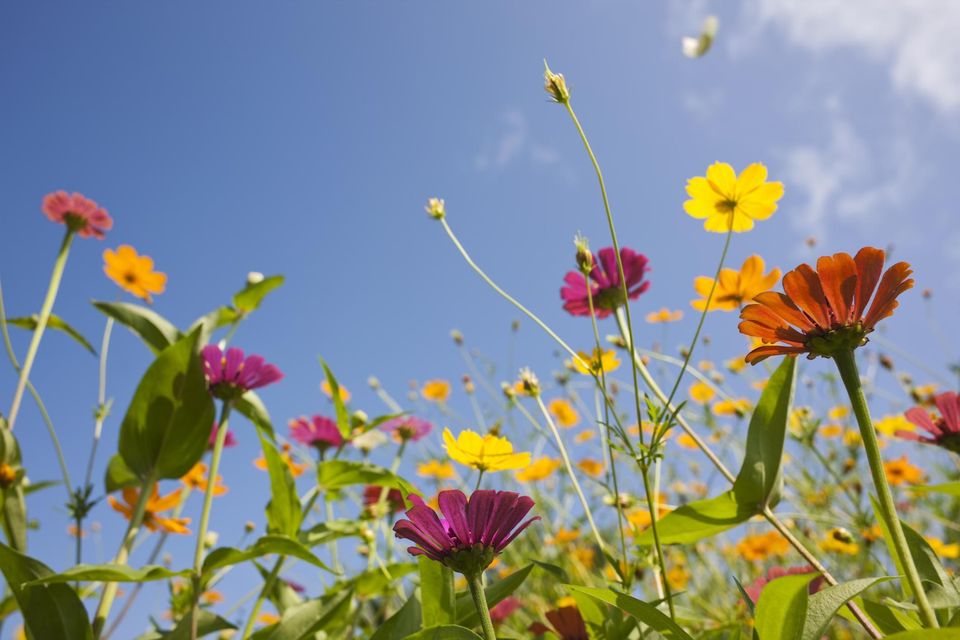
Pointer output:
x,y
528,379
886,362
457,337
374,382
468,385
584,257
254,277
436,209
555,85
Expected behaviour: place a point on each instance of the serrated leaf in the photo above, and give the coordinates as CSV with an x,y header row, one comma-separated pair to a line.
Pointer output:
x,y
249,298
111,573
642,611
156,331
53,322
782,607
823,605
268,544
335,474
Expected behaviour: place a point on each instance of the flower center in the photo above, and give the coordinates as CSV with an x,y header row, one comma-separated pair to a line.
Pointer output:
x,y
727,206
609,298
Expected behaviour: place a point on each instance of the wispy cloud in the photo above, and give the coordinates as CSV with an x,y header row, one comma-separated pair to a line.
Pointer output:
x,y
513,142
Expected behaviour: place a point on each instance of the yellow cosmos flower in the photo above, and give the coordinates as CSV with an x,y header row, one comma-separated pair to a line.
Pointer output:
x,y
839,540
664,315
328,391
584,436
851,438
563,536
436,390
436,469
831,430
686,441
889,425
605,361
563,411
484,453
838,412
701,393
735,288
591,467
739,406
735,365
948,551
900,471
133,273
727,202
539,469
762,546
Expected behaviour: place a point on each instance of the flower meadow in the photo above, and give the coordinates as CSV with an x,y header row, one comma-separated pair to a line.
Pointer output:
x,y
632,492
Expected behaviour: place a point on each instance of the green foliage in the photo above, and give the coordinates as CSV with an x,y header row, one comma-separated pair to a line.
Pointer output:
x,y
336,474
156,331
782,608
53,322
823,605
111,573
437,595
642,611
343,419
13,508
401,624
269,544
284,512
304,620
466,611
249,298
445,632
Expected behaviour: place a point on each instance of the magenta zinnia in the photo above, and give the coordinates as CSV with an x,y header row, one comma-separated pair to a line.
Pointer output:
x,y
407,428
945,430
228,440
231,374
470,533
605,286
79,213
319,431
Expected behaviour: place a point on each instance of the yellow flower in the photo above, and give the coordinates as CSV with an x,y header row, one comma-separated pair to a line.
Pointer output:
x,y
839,540
606,361
701,393
328,391
585,556
735,365
735,288
484,453
664,315
196,478
436,208
852,438
838,412
727,202
900,471
831,430
948,551
436,390
889,425
678,576
539,469
591,467
686,441
584,436
133,273
563,411
563,536
739,407
762,546
436,469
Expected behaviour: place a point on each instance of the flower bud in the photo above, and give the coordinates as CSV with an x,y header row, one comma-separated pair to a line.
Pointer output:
x,y
457,337
374,382
555,85
436,209
584,257
254,277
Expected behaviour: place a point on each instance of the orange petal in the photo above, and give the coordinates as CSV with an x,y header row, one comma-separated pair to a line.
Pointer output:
x,y
764,352
803,287
869,261
784,307
895,281
838,278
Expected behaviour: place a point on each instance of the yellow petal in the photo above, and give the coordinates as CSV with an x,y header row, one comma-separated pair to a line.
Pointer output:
x,y
751,178
723,179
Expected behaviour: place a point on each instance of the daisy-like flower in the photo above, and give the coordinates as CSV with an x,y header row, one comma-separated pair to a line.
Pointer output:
x,y
762,546
471,533
407,428
152,519
539,469
79,213
196,478
564,413
605,287
566,623
504,609
735,288
371,498
944,430
436,391
900,471
605,361
725,201
133,273
319,431
230,374
664,315
436,470
824,312
486,453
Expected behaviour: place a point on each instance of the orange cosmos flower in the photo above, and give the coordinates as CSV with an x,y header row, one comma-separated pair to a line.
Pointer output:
x,y
196,478
151,518
824,312
133,272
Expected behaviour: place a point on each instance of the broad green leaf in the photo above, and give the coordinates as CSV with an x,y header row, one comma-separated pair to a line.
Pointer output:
x,y
927,634
249,298
207,623
948,488
595,614
401,624
495,593
340,409
111,573
782,607
642,611
13,506
155,330
886,619
375,581
331,530
53,322
168,423
699,519
445,632
437,594
335,474
303,621
558,572
282,595
34,487
119,475
284,512
53,611
250,406
268,544
759,482
823,605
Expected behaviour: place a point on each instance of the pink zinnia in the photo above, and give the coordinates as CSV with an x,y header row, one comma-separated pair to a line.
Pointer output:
x,y
605,287
228,440
394,498
231,375
81,214
778,572
471,533
945,429
504,609
319,431
407,428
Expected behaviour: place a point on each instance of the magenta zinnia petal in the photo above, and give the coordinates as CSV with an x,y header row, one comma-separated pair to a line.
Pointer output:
x,y
230,374
605,287
319,431
407,428
945,429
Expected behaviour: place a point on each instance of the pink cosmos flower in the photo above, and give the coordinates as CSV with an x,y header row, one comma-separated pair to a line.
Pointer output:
x,y
319,431
77,212
945,429
228,441
504,609
471,533
231,375
407,428
605,287
755,587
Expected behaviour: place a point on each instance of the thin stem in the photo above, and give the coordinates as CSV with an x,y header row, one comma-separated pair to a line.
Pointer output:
x,y
479,480
847,365
102,409
58,267
480,602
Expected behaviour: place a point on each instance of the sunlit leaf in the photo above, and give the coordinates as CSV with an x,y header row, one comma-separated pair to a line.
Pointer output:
x,y
445,632
305,620
284,512
111,573
155,330
823,605
437,595
249,298
53,322
269,544
340,409
642,611
334,474
782,607
699,519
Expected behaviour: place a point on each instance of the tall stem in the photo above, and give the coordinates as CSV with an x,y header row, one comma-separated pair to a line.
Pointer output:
x,y
480,602
847,365
58,266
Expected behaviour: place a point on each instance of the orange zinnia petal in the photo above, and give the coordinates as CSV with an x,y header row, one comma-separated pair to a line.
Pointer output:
x,y
803,287
869,261
784,307
895,281
838,278
764,352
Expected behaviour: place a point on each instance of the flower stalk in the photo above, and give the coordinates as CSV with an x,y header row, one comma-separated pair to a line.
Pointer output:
x,y
480,602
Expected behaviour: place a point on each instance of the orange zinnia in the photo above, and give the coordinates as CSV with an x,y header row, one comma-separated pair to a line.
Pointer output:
x,y
824,312
155,504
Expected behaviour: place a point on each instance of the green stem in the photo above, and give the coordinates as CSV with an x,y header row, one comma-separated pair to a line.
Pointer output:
x,y
847,365
479,479
110,588
42,319
480,602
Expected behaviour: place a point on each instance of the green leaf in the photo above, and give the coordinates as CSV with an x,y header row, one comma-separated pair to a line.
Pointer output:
x,y
927,634
948,488
445,632
53,611
437,594
331,530
207,623
156,331
168,423
305,620
782,607
558,572
759,482
335,474
111,573
249,298
53,322
823,605
401,624
699,519
642,611
33,487
284,512
343,419
119,475
375,581
467,613
13,506
281,545
595,614
250,406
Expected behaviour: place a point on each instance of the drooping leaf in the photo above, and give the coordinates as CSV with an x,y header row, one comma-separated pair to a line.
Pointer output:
x,y
335,474
249,298
331,530
303,621
340,409
699,519
250,406
947,488
823,605
53,322
927,634
437,594
111,573
284,512
119,475
268,544
782,607
642,611
445,632
50,611
207,623
556,571
156,331
467,614
401,624
167,426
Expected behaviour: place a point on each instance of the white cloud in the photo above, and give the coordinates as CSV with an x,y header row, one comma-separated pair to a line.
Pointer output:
x,y
918,39
513,142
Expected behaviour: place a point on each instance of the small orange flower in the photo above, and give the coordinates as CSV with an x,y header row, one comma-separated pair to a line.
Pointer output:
x,y
591,467
563,411
133,273
151,518
196,478
296,469
436,391
328,391
824,312
664,315
900,471
763,546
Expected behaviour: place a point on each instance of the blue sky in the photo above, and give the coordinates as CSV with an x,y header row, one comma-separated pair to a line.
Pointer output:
x,y
304,138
